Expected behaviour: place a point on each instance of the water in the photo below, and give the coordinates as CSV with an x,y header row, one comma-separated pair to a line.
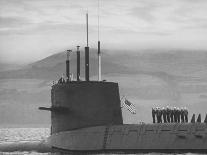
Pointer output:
x,y
23,141
28,141
23,134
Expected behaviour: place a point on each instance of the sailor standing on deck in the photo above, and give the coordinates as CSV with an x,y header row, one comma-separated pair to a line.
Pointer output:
x,y
168,114
171,115
186,114
156,113
60,80
153,114
182,114
164,114
178,114
159,115
175,114
159,119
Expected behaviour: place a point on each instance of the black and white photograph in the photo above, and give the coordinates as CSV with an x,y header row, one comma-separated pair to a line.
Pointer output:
x,y
104,77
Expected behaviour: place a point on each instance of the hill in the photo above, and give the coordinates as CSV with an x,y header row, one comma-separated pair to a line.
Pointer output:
x,y
171,63
147,78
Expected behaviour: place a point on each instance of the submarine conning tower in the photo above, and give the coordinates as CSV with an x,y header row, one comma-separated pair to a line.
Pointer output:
x,y
79,104
85,104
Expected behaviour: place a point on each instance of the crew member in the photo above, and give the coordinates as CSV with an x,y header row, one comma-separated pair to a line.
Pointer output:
x,y
160,114
175,114
153,115
60,80
156,113
164,114
168,114
182,114
178,114
186,114
171,114
63,80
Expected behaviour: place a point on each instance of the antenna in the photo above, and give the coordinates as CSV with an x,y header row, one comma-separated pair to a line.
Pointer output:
x,y
87,53
98,18
78,63
68,53
87,26
68,64
99,50
99,62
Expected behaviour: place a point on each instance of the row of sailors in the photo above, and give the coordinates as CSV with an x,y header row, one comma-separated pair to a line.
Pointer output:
x,y
170,115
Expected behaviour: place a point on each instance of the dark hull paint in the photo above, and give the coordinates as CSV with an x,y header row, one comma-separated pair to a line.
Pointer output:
x,y
93,123
126,151
134,138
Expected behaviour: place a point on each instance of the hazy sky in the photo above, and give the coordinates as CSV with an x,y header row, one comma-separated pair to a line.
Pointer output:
x,y
33,29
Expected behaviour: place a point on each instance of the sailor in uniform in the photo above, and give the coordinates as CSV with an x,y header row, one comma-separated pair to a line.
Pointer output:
x,y
171,114
156,113
182,114
178,114
168,114
60,80
175,114
153,114
186,114
164,114
160,114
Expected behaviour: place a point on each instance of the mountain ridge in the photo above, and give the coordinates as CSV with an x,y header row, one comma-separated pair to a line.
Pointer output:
x,y
122,62
147,79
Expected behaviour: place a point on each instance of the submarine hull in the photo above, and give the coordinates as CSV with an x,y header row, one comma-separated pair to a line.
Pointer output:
x,y
186,137
92,122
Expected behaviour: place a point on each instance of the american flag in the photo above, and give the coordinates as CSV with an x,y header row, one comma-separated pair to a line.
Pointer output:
x,y
129,106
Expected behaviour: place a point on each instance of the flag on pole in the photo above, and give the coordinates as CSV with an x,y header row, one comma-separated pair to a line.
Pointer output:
x,y
129,106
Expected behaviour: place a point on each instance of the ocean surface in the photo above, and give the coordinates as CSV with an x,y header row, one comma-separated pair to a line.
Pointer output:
x,y
22,141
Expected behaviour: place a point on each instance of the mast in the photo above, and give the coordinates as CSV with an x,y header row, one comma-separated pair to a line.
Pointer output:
x,y
78,63
87,53
87,27
99,50
68,64
99,62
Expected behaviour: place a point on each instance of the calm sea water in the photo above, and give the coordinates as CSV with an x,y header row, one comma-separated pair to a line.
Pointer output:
x,y
17,140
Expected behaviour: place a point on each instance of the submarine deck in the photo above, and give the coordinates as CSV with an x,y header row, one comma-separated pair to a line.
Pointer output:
x,y
131,137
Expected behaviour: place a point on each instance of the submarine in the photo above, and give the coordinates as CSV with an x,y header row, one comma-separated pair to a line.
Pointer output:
x,y
86,117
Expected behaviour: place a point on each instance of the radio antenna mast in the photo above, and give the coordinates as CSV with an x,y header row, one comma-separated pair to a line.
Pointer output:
x,y
98,18
99,50
87,26
87,52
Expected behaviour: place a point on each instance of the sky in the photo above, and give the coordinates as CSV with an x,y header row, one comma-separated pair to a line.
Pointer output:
x,y
33,29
